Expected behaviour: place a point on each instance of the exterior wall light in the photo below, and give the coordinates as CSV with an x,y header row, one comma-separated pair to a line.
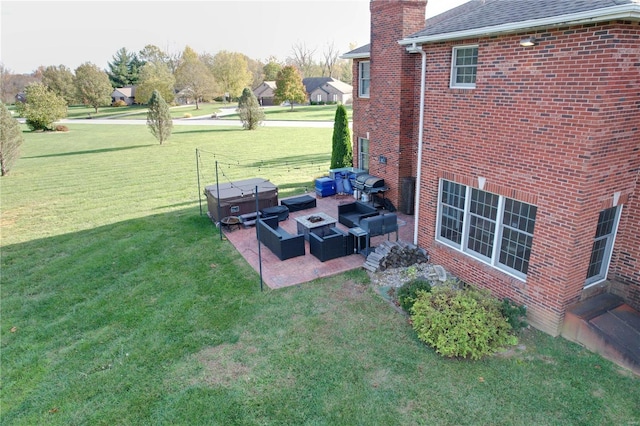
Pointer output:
x,y
528,42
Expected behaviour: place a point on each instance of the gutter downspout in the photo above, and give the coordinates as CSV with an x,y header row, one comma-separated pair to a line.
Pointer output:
x,y
415,49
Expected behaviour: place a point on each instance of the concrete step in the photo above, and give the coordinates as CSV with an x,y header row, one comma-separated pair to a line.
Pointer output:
x,y
622,339
607,326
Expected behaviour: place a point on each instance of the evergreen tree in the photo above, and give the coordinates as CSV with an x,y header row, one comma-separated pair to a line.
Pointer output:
x,y
341,152
249,110
10,140
159,118
119,68
289,87
42,107
125,68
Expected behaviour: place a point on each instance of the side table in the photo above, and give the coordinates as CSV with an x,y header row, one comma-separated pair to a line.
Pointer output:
x,y
358,233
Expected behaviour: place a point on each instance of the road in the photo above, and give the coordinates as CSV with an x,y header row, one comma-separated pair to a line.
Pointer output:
x,y
199,121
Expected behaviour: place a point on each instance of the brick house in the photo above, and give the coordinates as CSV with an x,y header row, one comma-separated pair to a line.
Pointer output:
x,y
520,123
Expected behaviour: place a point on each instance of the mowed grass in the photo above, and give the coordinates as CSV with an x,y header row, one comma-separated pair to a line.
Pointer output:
x,y
121,305
207,109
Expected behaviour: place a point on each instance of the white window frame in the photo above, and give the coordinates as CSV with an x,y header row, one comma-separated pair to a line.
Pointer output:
x,y
499,228
453,84
363,158
609,240
364,89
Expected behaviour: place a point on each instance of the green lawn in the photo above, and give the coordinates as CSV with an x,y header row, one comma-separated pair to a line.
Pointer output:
x,y
120,305
139,112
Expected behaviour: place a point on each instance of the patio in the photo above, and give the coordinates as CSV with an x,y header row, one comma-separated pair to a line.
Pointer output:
x,y
277,273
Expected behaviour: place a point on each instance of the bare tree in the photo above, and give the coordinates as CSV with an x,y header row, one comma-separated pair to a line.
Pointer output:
x,y
302,58
330,55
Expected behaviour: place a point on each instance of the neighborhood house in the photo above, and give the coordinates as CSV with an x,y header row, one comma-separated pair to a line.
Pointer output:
x,y
320,90
519,124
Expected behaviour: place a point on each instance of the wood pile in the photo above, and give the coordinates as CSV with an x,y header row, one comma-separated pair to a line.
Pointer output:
x,y
395,254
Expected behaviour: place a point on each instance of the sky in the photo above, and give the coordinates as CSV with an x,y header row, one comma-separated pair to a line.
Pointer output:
x,y
70,33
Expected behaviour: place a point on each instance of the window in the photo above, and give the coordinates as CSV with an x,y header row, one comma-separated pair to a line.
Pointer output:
x,y
489,227
602,245
464,65
318,98
363,153
364,79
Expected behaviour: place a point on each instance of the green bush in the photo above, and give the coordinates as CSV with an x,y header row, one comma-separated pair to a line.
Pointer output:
x,y
406,295
514,314
464,323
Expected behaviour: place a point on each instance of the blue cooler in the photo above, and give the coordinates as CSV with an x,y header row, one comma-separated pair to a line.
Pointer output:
x,y
325,187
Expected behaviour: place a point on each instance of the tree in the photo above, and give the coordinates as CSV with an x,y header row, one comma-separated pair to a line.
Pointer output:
x,y
10,140
153,54
302,58
155,76
249,110
330,55
341,152
230,69
60,81
92,86
255,68
193,78
123,71
271,69
42,107
159,118
14,84
289,87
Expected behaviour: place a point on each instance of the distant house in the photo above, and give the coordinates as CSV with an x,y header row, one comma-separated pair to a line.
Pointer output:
x,y
126,94
319,90
264,93
327,90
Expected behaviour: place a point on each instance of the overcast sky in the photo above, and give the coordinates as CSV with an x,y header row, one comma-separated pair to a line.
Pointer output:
x,y
34,33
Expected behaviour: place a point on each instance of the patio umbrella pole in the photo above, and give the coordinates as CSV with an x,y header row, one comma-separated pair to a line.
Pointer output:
x,y
258,234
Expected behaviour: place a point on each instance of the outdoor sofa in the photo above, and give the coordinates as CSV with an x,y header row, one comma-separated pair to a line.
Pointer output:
x,y
279,241
351,214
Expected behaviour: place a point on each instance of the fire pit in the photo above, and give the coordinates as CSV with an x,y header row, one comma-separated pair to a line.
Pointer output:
x,y
317,223
230,221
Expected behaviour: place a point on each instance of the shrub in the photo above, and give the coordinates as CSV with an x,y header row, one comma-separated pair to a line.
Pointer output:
x,y
119,103
514,314
406,295
10,140
464,323
61,128
186,115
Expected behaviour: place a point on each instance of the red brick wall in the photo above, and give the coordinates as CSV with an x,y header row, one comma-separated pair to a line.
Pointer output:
x,y
555,125
393,80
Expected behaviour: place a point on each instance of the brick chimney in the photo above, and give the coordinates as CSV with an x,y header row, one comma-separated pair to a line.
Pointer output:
x,y
395,81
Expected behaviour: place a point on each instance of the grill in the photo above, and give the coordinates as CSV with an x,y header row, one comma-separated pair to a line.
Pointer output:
x,y
367,183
